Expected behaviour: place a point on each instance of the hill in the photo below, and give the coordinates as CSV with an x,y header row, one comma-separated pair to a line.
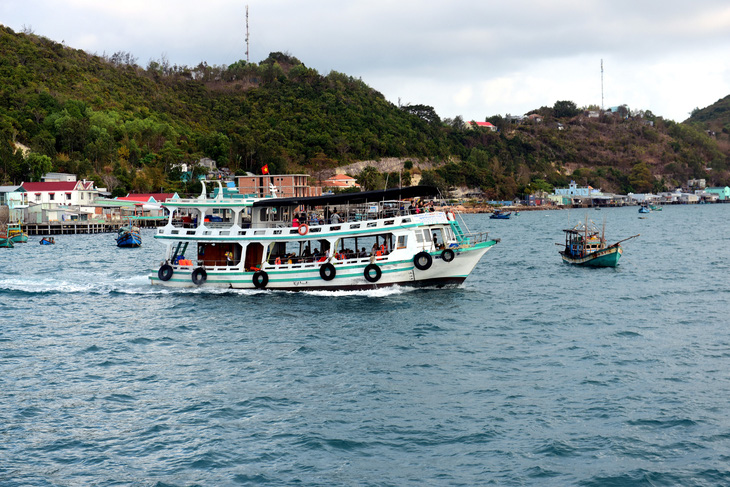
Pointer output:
x,y
127,127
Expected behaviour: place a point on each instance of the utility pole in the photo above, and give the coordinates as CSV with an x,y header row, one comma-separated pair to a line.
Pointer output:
x,y
601,83
247,35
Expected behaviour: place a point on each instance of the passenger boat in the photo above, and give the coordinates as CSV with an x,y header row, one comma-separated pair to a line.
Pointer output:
x,y
16,233
371,239
129,236
586,246
48,241
499,215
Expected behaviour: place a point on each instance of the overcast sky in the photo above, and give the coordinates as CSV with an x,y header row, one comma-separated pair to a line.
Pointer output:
x,y
470,58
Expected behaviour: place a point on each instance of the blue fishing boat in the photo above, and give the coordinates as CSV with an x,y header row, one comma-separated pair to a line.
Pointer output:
x,y
586,246
129,236
48,241
500,215
644,209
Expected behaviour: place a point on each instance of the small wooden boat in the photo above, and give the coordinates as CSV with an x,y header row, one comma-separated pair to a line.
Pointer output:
x,y
499,215
586,246
655,208
48,241
128,236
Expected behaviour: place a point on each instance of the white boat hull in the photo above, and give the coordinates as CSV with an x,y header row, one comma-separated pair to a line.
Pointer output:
x,y
349,274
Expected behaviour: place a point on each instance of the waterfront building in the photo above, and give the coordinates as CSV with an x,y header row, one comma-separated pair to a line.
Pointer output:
x,y
723,192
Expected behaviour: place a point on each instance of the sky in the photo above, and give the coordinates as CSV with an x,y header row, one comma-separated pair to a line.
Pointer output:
x,y
465,58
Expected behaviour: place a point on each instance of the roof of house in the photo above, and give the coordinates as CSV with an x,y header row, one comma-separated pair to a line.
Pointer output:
x,y
10,189
341,177
50,186
483,124
148,197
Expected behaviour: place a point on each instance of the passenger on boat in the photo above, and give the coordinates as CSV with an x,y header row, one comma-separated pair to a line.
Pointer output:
x,y
363,253
335,218
295,222
229,258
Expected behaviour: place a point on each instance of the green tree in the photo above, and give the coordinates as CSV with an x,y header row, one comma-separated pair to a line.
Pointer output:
x,y
641,179
370,179
563,109
39,165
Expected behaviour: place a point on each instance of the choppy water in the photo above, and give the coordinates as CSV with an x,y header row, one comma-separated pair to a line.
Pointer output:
x,y
532,373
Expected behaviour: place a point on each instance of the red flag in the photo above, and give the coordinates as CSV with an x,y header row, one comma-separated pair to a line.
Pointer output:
x,y
265,169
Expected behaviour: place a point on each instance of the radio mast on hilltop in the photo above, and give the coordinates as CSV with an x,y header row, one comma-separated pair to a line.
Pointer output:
x,y
601,78
247,34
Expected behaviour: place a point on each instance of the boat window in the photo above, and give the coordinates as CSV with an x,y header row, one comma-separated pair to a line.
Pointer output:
x,y
402,241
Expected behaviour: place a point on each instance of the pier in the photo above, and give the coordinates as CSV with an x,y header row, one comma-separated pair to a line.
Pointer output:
x,y
85,227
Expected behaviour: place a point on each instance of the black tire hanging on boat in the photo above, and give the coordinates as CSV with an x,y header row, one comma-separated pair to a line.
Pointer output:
x,y
199,276
422,260
165,272
327,272
448,255
372,278
260,279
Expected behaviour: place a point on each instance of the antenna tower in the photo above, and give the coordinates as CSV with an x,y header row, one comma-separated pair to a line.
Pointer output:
x,y
601,76
247,35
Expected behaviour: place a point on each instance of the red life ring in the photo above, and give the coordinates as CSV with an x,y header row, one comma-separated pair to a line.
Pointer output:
x,y
303,229
450,216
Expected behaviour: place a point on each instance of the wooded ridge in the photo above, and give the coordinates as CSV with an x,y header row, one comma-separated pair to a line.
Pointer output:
x,y
129,128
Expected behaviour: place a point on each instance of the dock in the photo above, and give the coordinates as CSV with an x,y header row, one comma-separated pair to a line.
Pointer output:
x,y
85,227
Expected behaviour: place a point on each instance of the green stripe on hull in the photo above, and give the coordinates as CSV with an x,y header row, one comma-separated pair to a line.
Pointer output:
x,y
605,259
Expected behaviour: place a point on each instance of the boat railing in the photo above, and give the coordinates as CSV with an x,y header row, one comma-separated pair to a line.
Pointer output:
x,y
475,238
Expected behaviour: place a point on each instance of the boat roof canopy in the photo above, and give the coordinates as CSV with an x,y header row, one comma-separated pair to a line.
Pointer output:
x,y
343,198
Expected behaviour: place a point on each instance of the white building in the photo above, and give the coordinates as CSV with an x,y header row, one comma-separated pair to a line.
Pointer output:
x,y
574,190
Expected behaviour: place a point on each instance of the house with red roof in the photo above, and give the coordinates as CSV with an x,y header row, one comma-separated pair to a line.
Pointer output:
x,y
65,193
485,125
340,181
149,197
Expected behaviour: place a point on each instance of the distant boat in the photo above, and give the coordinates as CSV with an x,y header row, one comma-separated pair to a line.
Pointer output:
x,y
655,208
48,241
586,246
129,236
16,233
499,215
644,209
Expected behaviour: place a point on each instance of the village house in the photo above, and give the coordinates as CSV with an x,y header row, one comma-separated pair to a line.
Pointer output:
x,y
340,181
60,200
283,185
723,192
485,125
16,199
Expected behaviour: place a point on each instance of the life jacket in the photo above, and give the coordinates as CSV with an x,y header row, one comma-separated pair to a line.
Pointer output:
x,y
277,261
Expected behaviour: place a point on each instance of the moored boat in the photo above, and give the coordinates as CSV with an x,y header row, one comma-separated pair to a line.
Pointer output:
x,y
129,236
5,241
644,209
16,233
586,246
337,242
500,215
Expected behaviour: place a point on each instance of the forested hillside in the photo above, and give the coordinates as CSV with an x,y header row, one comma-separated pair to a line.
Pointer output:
x,y
127,127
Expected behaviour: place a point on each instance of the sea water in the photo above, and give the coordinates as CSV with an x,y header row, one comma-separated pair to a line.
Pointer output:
x,y
533,372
